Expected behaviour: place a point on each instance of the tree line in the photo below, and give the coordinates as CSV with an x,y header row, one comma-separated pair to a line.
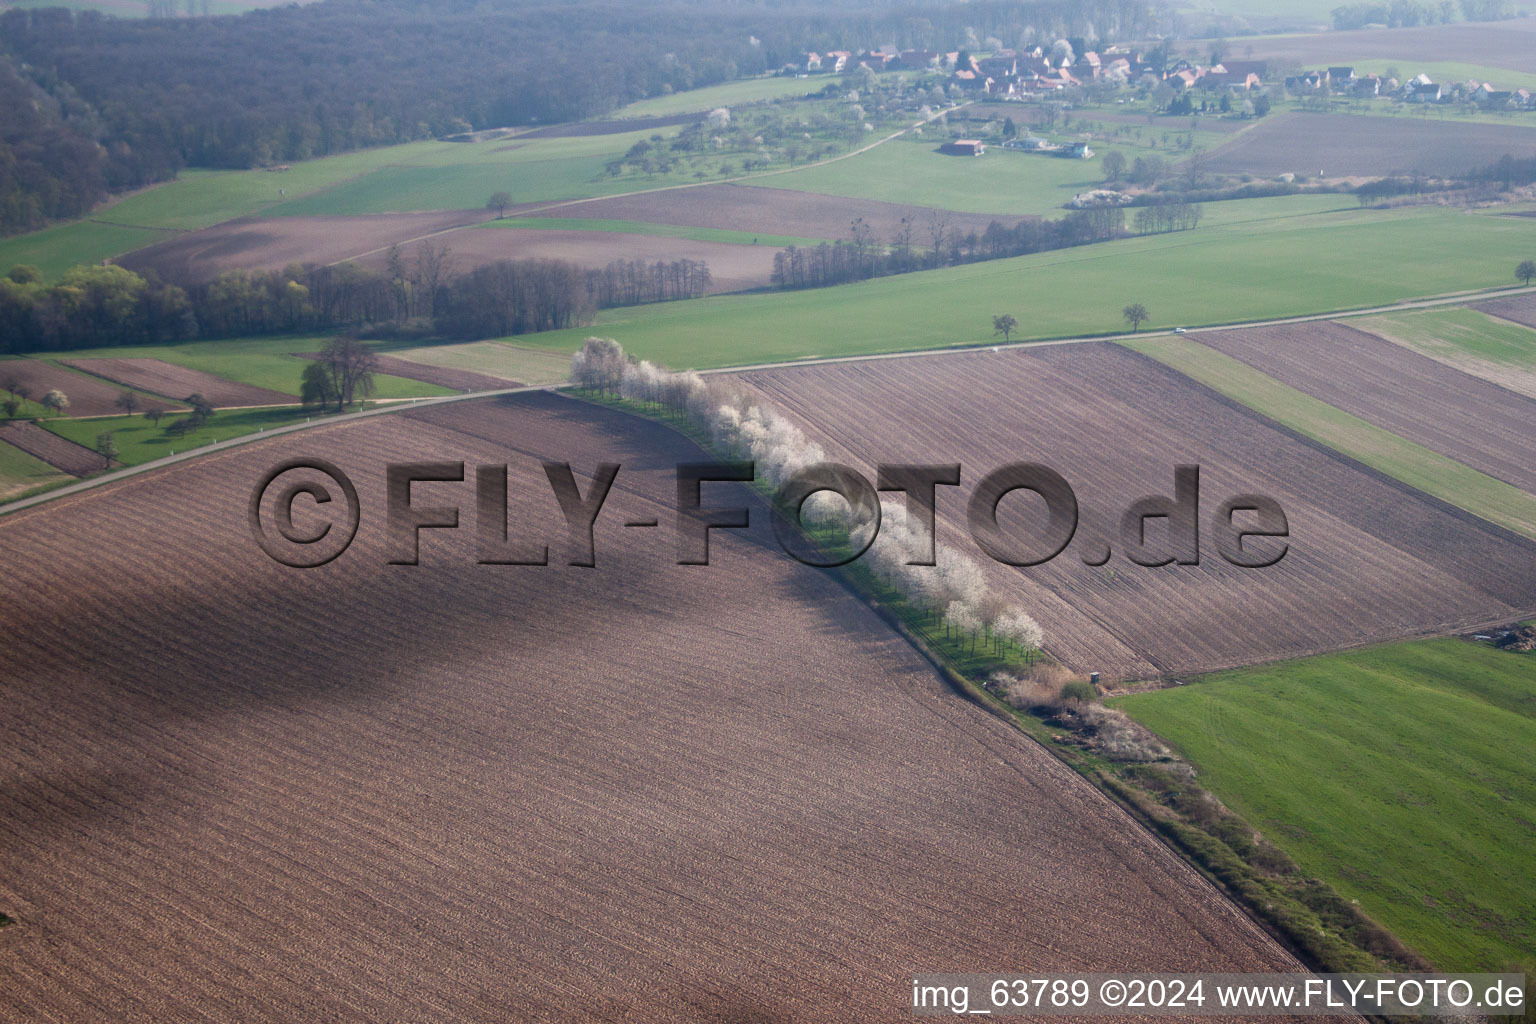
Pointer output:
x,y
933,242
101,306
91,104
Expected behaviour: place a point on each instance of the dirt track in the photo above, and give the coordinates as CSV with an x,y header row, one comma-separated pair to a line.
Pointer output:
x,y
475,793
1369,559
1480,424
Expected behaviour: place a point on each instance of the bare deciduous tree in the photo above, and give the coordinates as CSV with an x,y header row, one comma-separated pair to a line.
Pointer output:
x,y
1135,314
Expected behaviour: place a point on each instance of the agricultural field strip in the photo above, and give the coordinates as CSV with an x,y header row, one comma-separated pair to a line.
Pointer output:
x,y
1464,418
159,377
545,207
1458,298
365,775
60,453
1468,339
89,395
1427,470
1359,534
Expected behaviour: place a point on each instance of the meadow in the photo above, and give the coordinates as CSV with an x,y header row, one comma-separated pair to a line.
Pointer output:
x,y
20,472
1458,333
138,440
746,90
1398,774
1249,260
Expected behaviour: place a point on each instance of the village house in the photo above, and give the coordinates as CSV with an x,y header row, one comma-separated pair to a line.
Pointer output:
x,y
964,147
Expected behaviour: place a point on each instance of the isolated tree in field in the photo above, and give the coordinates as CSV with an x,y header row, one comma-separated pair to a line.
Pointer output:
x,y
1526,270
56,401
498,204
1135,314
11,383
1004,325
153,414
315,387
350,365
1114,165
12,406
106,447
128,401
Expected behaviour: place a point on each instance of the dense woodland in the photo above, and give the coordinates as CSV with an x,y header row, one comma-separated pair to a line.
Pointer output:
x,y
100,306
91,104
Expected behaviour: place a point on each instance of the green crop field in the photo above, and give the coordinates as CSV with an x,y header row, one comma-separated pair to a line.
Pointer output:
x,y
1447,479
1398,774
20,472
640,227
1456,334
138,440
1247,262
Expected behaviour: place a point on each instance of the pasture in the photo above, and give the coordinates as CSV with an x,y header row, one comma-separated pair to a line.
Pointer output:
x,y
426,786
1398,774
138,440
1352,145
1115,424
727,94
1412,463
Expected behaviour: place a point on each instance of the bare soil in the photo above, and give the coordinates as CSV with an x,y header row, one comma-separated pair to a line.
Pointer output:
x,y
161,378
1519,308
41,443
1369,559
442,376
1493,44
643,791
271,243
88,396
1480,424
773,211
1343,145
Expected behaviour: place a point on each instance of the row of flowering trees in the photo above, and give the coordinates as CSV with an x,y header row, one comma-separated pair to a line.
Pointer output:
x,y
954,588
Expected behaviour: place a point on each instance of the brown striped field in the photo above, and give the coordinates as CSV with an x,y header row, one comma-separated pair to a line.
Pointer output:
x,y
456,792
1488,427
1369,559
162,378
60,453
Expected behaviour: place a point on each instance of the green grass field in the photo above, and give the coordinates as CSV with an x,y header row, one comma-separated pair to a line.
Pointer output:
x,y
1399,774
640,227
20,472
56,249
1457,334
138,440
1429,471
1250,261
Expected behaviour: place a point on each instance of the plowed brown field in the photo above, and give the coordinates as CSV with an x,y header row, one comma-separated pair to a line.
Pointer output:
x,y
1370,559
442,376
1340,145
1481,424
161,378
88,396
1519,308
773,211
235,791
51,448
